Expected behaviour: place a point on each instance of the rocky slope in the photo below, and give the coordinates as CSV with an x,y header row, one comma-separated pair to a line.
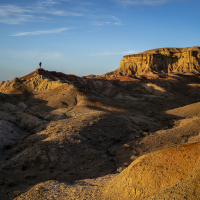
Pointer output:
x,y
67,137
167,60
153,172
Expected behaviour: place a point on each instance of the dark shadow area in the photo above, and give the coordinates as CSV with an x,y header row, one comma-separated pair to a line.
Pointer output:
x,y
162,62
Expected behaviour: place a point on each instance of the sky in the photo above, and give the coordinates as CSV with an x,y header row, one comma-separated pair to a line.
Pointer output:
x,y
85,37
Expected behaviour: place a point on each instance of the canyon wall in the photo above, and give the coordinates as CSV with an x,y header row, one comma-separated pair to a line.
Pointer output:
x,y
167,60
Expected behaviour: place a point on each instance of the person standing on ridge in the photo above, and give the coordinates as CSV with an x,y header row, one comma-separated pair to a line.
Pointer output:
x,y
40,64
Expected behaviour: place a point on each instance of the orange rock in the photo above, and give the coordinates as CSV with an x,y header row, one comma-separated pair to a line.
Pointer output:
x,y
167,60
154,172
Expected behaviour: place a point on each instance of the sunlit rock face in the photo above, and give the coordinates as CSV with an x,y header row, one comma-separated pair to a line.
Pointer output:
x,y
167,60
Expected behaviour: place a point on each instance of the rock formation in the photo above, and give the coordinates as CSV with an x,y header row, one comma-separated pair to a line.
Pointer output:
x,y
167,60
153,172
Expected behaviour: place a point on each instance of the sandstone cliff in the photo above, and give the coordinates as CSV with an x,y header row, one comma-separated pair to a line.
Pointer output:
x,y
167,60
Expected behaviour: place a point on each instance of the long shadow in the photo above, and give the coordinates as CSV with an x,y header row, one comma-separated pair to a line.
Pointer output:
x,y
79,147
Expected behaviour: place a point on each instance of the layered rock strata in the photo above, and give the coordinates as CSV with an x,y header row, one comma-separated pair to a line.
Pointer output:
x,y
167,60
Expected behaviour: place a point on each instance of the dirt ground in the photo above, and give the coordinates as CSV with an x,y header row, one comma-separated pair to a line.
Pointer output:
x,y
69,138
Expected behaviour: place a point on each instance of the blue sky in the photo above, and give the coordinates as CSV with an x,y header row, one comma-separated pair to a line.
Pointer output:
x,y
84,37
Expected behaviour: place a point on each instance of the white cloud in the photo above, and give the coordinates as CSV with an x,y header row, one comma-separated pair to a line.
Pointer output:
x,y
12,14
112,20
12,9
47,3
100,23
63,13
113,53
118,23
144,2
40,32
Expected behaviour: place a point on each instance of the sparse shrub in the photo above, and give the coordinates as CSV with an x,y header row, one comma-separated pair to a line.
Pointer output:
x,y
10,182
30,176
116,140
8,146
126,164
16,193
41,189
145,133
145,129
132,137
66,169
24,167
127,146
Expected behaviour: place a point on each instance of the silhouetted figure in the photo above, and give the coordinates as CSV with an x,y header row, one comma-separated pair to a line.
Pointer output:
x,y
40,64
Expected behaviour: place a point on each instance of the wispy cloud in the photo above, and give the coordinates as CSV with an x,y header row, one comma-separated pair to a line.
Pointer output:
x,y
112,20
46,10
118,23
100,23
40,32
62,13
12,14
47,3
12,9
37,54
113,53
144,2
51,55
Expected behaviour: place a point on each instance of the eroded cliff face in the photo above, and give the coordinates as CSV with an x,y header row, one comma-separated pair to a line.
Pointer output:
x,y
167,60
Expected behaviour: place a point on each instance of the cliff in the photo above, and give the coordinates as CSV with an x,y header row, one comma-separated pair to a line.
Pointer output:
x,y
167,60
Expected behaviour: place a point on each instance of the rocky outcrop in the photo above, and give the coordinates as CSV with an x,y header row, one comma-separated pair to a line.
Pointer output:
x,y
167,60
35,82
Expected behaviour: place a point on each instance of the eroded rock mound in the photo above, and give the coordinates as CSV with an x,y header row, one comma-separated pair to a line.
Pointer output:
x,y
167,60
187,188
37,81
156,171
